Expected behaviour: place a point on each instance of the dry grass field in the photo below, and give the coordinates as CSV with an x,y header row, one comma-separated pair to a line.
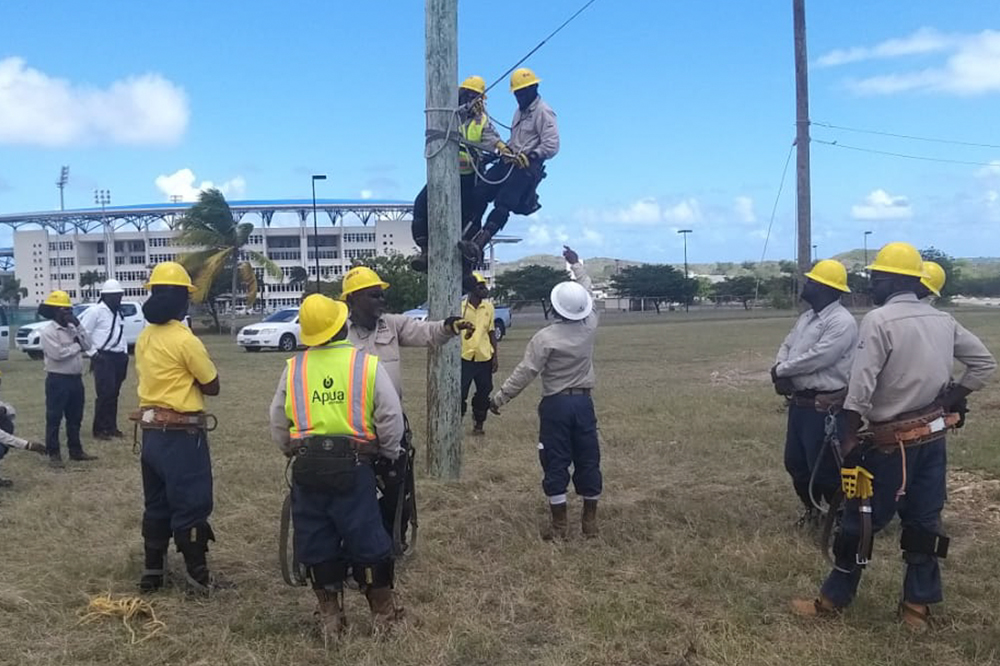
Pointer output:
x,y
695,566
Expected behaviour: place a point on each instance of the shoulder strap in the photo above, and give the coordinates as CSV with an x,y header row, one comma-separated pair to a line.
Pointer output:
x,y
121,329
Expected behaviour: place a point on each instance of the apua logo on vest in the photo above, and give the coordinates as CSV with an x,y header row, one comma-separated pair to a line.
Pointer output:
x,y
327,395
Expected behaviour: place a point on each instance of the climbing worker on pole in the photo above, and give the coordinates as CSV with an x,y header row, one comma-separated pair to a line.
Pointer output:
x,y
479,353
108,357
9,441
901,384
511,183
334,410
374,332
931,286
811,369
175,374
563,354
474,126
64,342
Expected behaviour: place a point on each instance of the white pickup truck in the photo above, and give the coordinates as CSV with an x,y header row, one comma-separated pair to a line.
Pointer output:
x,y
28,338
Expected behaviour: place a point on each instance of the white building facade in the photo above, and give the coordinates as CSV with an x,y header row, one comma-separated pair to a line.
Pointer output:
x,y
45,261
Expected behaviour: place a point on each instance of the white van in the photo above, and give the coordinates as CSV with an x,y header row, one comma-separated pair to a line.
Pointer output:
x,y
29,339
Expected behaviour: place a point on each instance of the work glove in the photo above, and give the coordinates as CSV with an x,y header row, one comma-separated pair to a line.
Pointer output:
x,y
521,161
503,149
456,325
494,407
37,447
782,385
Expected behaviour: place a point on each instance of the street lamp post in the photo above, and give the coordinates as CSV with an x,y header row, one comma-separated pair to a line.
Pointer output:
x,y
687,300
103,198
815,253
867,234
316,227
61,184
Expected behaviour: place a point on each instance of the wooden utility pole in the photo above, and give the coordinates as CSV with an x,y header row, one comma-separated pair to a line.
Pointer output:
x,y
444,440
804,196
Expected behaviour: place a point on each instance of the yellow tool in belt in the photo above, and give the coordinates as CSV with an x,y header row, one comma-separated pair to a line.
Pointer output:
x,y
856,482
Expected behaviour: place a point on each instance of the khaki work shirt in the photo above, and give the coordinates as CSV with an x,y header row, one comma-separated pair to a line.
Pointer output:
x,y
562,353
393,331
906,353
817,353
63,347
388,415
535,131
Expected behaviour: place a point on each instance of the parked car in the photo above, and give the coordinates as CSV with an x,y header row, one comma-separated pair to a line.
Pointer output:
x,y
29,340
277,331
501,322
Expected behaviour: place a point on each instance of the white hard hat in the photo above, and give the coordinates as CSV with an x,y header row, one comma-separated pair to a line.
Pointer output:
x,y
571,301
112,286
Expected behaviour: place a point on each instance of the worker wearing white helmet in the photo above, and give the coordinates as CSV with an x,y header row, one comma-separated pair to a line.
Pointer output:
x,y
563,354
108,357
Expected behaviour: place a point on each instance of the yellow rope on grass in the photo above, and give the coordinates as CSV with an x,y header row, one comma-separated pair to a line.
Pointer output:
x,y
130,609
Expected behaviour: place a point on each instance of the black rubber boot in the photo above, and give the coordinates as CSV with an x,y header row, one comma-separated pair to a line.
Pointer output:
x,y
193,545
156,537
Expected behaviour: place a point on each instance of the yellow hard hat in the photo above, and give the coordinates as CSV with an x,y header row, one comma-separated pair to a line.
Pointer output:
x,y
475,84
522,78
360,277
899,258
479,278
321,318
59,299
831,273
934,278
169,273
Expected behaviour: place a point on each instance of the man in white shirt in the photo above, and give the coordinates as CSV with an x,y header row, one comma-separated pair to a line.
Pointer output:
x,y
108,356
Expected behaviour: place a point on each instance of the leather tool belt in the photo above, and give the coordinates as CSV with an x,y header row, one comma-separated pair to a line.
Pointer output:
x,y
912,428
575,391
821,401
328,463
161,418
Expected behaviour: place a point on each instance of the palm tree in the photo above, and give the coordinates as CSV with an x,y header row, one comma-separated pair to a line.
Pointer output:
x,y
298,275
90,279
11,291
210,225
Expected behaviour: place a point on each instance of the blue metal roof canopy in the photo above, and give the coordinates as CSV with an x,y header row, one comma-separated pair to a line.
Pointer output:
x,y
141,216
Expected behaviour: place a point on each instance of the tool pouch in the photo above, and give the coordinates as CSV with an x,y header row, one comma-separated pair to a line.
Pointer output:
x,y
327,464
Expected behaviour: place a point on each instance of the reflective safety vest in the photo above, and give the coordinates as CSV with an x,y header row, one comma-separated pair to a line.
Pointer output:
x,y
331,391
472,131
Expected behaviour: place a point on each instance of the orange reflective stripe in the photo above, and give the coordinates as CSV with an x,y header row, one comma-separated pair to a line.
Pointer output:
x,y
298,390
292,391
365,421
350,393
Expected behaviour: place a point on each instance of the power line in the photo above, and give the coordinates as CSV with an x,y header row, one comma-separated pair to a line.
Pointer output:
x,y
923,158
541,44
905,136
774,210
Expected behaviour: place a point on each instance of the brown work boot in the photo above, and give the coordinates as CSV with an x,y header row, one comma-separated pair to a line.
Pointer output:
x,y
819,607
477,429
557,529
385,614
915,616
590,518
332,620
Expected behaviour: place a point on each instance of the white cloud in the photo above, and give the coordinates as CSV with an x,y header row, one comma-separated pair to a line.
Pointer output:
x,y
971,68
991,171
367,194
37,109
542,235
880,205
181,183
685,212
592,237
924,40
743,208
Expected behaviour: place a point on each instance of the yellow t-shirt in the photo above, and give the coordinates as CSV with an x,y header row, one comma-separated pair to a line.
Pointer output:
x,y
478,347
169,360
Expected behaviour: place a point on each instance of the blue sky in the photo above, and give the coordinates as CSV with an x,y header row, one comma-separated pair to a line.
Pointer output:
x,y
672,114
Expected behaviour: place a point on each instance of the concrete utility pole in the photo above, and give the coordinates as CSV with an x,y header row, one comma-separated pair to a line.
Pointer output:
x,y
804,196
444,435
